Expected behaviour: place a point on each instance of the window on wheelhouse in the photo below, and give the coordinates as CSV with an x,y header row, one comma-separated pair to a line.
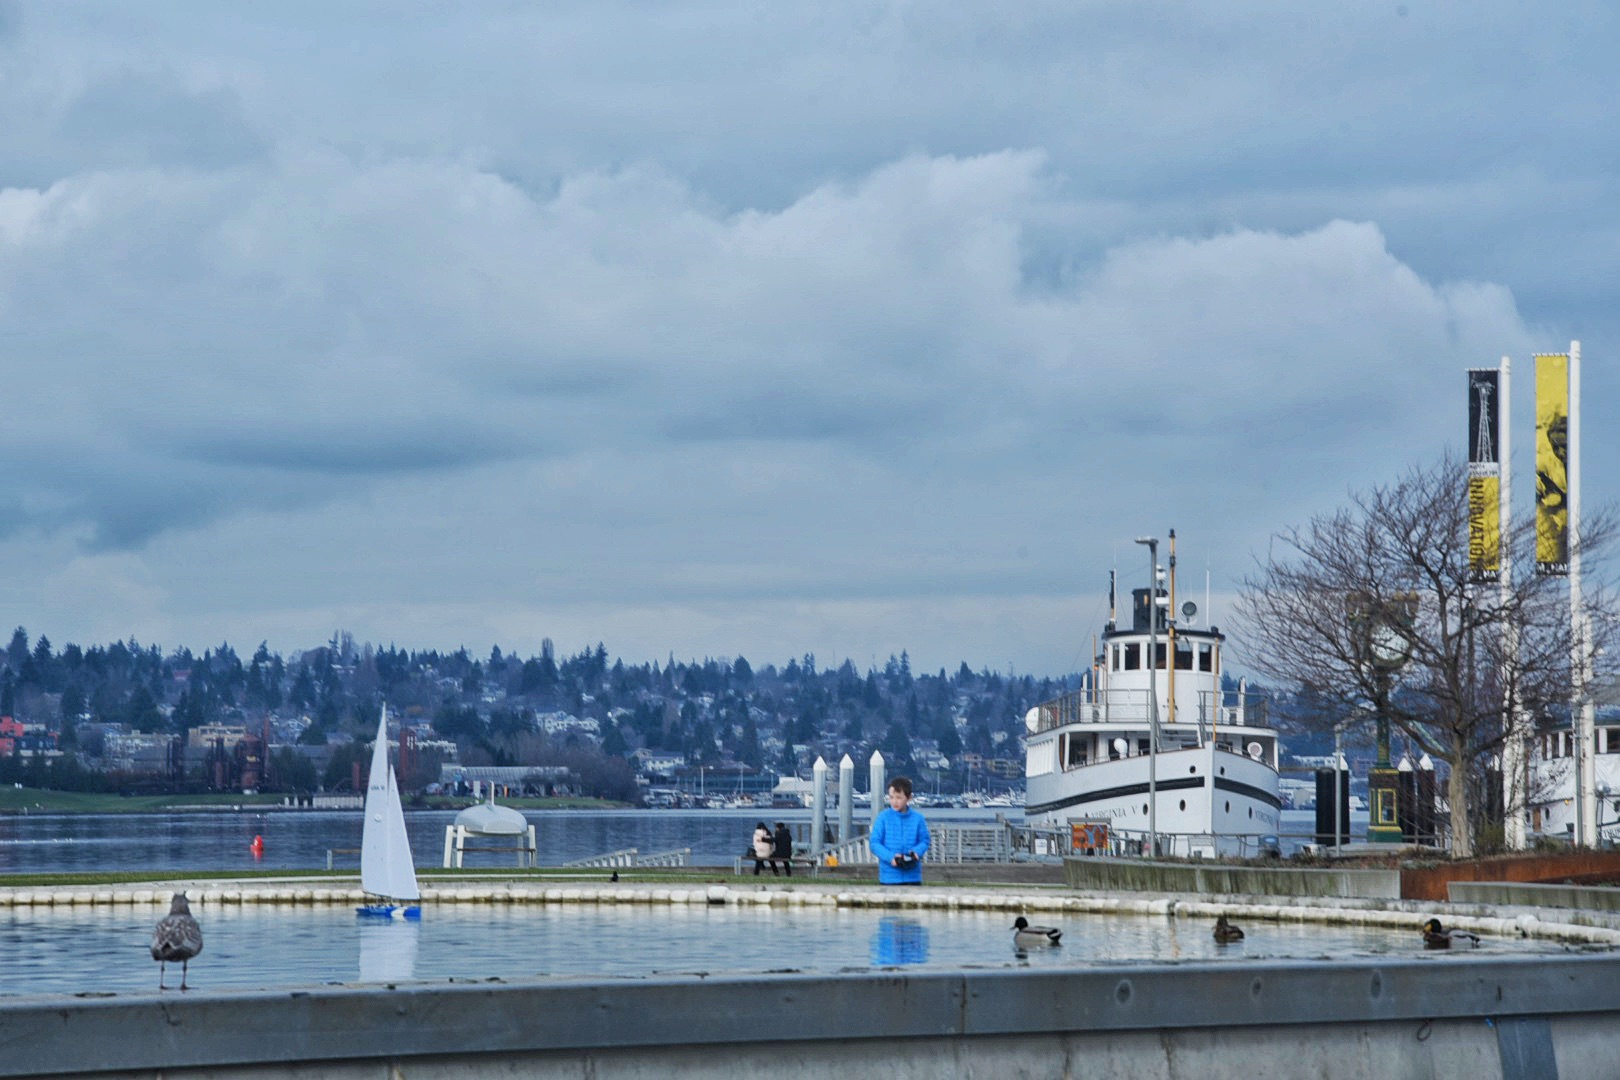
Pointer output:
x,y
1160,655
1206,658
1133,656
1184,656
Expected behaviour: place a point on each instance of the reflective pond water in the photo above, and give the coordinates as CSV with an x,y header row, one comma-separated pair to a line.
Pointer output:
x,y
86,950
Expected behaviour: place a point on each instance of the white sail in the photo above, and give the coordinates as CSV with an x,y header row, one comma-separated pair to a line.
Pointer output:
x,y
386,867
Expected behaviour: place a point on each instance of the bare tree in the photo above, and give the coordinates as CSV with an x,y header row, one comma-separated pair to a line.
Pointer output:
x,y
1375,608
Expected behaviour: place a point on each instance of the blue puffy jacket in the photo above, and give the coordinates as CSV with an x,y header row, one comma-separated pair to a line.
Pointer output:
x,y
895,833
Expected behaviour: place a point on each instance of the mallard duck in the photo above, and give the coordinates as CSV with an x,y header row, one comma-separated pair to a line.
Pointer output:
x,y
1025,935
1225,932
1436,936
177,937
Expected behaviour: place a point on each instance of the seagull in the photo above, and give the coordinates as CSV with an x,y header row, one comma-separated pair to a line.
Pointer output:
x,y
177,937
1436,936
1225,932
1025,934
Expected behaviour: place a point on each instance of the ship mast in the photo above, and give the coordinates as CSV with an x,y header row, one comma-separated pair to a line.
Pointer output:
x,y
1170,624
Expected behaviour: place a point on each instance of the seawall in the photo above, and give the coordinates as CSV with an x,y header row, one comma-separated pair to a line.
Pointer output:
x,y
1480,1018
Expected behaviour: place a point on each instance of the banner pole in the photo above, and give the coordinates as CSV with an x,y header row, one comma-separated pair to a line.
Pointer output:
x,y
1513,747
1581,702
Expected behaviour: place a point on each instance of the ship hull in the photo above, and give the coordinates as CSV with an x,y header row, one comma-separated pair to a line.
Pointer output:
x,y
1209,800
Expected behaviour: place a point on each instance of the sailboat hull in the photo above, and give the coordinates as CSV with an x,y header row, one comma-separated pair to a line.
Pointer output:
x,y
389,911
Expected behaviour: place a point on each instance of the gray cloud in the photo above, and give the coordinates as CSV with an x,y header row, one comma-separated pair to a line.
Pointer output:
x,y
614,320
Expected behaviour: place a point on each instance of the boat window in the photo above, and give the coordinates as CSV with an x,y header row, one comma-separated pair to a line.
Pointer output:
x,y
1612,740
1075,752
1160,655
1184,656
1206,658
1141,746
1133,656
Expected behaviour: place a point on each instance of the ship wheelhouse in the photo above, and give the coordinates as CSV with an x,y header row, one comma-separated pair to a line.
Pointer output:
x,y
1109,716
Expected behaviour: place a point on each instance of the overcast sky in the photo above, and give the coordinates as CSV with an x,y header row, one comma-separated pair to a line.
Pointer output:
x,y
759,329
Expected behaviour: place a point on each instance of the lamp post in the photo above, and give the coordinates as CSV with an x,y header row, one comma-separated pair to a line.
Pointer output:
x,y
1383,631
1152,543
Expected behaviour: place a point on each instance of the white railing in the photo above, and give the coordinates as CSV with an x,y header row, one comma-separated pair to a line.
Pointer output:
x,y
622,857
632,857
946,844
1228,708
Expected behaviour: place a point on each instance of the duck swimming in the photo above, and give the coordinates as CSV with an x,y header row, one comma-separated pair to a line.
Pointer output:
x,y
1225,932
1436,936
1026,935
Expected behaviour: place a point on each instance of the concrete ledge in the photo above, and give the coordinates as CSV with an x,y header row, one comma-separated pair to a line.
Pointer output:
x,y
1525,894
1140,875
1438,1016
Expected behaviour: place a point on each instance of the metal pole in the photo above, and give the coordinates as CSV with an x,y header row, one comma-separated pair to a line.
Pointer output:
x,y
1152,543
846,799
818,807
1338,779
1513,756
1585,741
879,788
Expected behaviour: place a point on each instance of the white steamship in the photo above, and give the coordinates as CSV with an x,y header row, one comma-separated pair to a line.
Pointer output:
x,y
1210,786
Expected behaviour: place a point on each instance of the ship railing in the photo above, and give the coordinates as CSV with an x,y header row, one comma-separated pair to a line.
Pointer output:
x,y
1217,709
1127,843
1100,838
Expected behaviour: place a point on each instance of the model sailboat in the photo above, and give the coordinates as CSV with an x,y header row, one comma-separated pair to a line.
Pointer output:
x,y
387,871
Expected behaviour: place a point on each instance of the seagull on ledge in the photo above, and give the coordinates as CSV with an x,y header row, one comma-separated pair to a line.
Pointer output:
x,y
177,937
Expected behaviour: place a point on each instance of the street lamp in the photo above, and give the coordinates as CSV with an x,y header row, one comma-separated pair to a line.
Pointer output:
x,y
1152,543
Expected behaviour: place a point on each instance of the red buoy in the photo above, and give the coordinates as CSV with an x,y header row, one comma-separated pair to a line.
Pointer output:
x,y
257,847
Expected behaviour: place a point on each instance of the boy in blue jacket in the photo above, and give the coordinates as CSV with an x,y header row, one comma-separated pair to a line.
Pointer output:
x,y
899,838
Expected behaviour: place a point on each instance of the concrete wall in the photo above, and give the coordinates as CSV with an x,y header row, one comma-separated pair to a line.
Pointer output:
x,y
1521,894
1482,1018
1138,875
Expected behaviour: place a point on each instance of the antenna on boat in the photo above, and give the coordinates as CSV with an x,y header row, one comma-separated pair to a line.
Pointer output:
x,y
1111,601
1170,632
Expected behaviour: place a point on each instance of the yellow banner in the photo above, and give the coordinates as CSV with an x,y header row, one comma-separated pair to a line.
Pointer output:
x,y
1552,463
1484,526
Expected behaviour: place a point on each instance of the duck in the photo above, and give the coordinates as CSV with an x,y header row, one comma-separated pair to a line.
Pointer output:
x,y
1436,936
1225,932
176,937
1025,934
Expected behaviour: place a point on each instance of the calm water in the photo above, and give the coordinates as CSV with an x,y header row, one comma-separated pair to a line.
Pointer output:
x,y
81,950
254,947
299,840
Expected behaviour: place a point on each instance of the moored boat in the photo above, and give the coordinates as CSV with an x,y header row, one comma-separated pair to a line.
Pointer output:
x,y
1209,786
